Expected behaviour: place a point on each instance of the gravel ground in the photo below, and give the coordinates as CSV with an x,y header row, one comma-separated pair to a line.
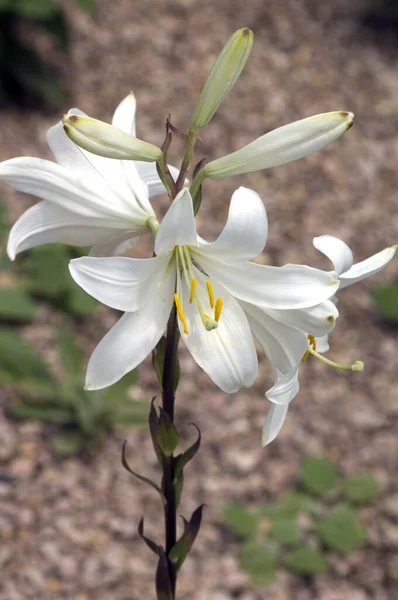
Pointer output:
x,y
69,528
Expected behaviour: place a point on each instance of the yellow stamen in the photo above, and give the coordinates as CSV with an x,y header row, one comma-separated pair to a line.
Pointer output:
x,y
206,316
181,313
193,289
218,309
312,342
210,292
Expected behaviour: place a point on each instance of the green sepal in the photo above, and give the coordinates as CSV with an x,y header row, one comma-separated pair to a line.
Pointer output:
x,y
150,543
163,583
181,549
182,459
141,477
166,436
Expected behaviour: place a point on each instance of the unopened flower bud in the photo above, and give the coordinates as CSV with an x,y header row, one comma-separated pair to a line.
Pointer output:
x,y
282,145
106,140
227,68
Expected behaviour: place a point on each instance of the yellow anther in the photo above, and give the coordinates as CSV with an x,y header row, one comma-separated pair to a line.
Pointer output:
x,y
206,316
193,289
181,313
312,343
218,309
210,292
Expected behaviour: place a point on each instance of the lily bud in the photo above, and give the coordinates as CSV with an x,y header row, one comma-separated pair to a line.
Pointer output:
x,y
228,66
106,140
282,145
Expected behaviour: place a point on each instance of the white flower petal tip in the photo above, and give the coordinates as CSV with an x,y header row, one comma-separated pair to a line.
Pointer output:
x,y
107,140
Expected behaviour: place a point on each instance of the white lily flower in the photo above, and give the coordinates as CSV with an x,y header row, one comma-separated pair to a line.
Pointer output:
x,y
285,144
88,200
214,286
286,385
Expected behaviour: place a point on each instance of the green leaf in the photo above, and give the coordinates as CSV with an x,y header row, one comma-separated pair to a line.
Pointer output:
x,y
86,5
15,305
285,531
362,489
47,270
37,412
68,443
259,561
131,412
240,521
342,531
319,475
182,459
386,299
19,359
78,302
162,578
306,560
71,353
167,435
35,9
183,546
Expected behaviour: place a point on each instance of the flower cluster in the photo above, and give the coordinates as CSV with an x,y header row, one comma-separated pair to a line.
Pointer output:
x,y
98,194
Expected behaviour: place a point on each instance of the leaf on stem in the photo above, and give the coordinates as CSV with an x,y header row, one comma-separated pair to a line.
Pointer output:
x,y
181,549
141,477
150,543
163,583
167,436
182,459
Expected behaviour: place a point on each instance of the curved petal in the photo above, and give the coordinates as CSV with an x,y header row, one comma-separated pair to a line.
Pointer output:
x,y
124,115
284,346
227,354
317,320
322,343
178,226
133,337
45,222
367,267
245,233
115,243
120,282
285,388
52,182
288,287
273,423
336,250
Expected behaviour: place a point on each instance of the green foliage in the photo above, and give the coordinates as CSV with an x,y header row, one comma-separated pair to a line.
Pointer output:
x,y
26,76
306,560
386,299
282,534
259,560
362,489
319,475
240,521
81,415
16,305
342,531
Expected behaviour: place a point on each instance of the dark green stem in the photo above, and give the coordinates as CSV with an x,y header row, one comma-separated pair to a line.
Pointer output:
x,y
168,399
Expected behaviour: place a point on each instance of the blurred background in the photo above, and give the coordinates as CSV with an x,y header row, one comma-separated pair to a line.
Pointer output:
x,y
315,514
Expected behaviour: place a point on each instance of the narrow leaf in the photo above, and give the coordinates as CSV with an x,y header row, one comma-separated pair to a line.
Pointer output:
x,y
150,543
141,477
181,549
167,435
163,583
182,459
153,421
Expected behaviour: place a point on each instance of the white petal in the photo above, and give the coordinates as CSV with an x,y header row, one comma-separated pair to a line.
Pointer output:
x,y
245,233
336,250
291,286
133,337
367,267
285,388
317,320
284,346
45,222
149,174
124,115
120,282
227,354
273,423
322,343
115,243
178,226
285,144
52,182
